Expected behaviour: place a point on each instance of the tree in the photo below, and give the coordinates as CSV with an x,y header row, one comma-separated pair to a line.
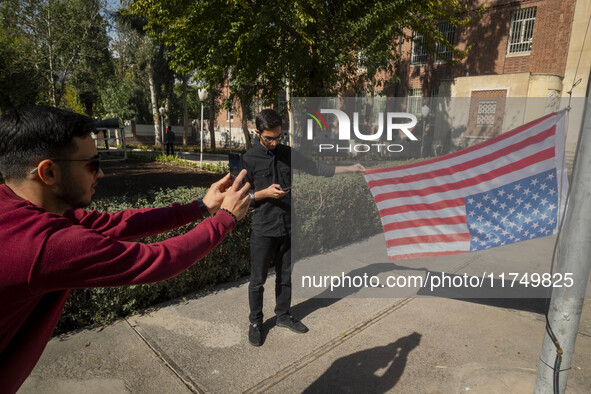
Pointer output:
x,y
18,80
316,44
60,35
127,96
322,47
150,62
214,93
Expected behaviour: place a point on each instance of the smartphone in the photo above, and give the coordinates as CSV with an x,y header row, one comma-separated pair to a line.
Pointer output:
x,y
286,188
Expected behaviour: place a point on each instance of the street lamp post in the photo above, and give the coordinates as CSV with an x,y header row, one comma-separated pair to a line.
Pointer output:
x,y
161,110
202,98
424,112
230,120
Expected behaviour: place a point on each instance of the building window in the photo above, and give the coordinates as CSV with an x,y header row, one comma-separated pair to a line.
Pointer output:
x,y
415,102
521,31
447,31
419,53
332,102
361,61
486,113
282,107
434,91
361,103
380,102
256,106
253,109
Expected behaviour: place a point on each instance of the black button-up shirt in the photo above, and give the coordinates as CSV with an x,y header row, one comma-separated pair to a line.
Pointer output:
x,y
272,216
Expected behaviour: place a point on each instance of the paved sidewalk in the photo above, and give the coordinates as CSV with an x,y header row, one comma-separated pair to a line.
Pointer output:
x,y
355,344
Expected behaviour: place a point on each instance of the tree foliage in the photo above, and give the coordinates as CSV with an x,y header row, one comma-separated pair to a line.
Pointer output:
x,y
321,46
316,47
65,43
19,80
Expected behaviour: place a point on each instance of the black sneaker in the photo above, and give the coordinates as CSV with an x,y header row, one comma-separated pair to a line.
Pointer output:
x,y
291,323
255,336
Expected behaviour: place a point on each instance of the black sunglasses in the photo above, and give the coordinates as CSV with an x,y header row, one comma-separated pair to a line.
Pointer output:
x,y
93,163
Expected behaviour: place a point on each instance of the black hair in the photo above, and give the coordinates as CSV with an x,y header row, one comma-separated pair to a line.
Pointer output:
x,y
268,119
33,133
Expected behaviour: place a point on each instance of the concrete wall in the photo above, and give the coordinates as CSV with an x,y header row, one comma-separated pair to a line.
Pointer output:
x,y
145,135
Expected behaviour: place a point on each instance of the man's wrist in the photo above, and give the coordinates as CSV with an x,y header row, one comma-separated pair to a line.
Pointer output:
x,y
204,210
231,214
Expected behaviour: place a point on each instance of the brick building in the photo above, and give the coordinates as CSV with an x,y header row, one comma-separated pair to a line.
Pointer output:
x,y
524,59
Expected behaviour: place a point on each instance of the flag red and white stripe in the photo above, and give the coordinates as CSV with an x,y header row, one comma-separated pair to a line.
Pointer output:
x,y
423,205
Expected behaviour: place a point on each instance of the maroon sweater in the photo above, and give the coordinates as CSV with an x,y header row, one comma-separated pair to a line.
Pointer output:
x,y
43,255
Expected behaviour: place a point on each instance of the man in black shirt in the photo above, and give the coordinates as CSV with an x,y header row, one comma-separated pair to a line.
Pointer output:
x,y
268,165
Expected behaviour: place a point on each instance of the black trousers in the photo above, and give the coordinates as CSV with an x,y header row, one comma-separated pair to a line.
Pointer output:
x,y
263,251
170,149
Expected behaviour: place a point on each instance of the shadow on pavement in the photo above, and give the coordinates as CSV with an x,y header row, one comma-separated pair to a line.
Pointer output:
x,y
328,297
375,370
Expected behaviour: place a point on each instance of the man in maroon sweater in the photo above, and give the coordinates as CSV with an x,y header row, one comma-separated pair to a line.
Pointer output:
x,y
49,244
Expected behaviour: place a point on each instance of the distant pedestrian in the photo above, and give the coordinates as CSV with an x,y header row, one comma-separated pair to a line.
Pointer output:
x,y
169,141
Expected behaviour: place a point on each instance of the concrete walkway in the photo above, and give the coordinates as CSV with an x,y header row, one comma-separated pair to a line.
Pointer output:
x,y
356,344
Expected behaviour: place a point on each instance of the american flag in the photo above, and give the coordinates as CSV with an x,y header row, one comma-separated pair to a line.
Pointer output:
x,y
508,189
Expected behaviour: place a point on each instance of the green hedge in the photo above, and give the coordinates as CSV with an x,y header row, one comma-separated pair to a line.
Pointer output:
x,y
325,206
229,261
332,212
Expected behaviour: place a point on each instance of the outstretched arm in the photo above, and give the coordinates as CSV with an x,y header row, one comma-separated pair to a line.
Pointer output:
x,y
75,257
352,169
138,223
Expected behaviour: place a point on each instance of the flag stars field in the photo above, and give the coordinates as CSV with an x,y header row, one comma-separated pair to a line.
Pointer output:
x,y
526,218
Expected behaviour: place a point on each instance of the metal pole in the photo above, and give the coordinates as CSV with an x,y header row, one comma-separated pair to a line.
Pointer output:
x,y
162,128
422,137
573,261
201,139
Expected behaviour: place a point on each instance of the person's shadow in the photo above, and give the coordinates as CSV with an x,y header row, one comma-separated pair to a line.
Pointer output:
x,y
375,370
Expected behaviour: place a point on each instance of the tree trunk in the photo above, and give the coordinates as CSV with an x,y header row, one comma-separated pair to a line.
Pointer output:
x,y
211,121
289,112
155,113
244,104
185,111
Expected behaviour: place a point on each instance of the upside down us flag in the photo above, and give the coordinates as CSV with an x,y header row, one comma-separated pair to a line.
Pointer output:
x,y
508,189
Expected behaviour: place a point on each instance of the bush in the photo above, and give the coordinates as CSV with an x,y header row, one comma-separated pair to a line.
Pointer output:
x,y
170,159
217,168
333,212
